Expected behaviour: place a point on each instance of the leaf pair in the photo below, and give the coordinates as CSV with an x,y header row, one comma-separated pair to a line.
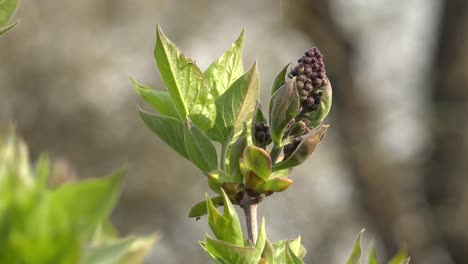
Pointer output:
x,y
229,247
354,258
284,252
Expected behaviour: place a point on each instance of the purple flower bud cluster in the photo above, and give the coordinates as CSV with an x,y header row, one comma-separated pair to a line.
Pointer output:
x,y
310,77
262,134
289,149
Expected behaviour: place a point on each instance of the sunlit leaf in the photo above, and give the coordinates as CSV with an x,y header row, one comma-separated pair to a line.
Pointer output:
x,y
200,209
7,9
258,160
189,90
222,73
235,107
159,100
279,79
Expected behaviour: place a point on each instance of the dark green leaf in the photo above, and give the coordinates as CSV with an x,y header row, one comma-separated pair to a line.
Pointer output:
x,y
222,73
159,100
279,79
189,90
235,107
356,252
168,129
303,151
258,160
258,117
200,209
284,106
199,148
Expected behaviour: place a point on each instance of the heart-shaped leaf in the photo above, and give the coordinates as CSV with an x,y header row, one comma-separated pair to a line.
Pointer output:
x,y
189,90
258,160
222,73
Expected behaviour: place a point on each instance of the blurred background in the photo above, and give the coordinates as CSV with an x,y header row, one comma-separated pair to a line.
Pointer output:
x,y
395,158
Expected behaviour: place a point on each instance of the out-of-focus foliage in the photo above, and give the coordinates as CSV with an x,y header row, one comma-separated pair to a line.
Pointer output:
x,y
67,224
7,9
356,253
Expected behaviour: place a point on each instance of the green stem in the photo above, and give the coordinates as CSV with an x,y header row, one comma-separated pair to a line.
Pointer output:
x,y
222,158
275,152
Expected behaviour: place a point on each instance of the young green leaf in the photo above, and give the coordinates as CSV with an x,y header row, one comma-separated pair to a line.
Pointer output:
x,y
291,257
276,185
108,254
258,160
189,90
200,208
284,106
225,227
235,107
236,153
222,73
399,258
356,252
7,9
372,256
269,252
224,252
159,100
168,129
199,148
216,180
258,117
279,79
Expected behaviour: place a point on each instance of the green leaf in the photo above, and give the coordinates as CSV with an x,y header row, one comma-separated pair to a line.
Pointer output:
x,y
284,106
261,240
225,227
291,257
108,254
200,208
356,252
7,9
222,73
372,256
168,129
7,28
189,90
235,107
258,160
258,117
199,148
88,203
225,252
237,150
159,100
279,79
269,252
276,185
400,258
303,151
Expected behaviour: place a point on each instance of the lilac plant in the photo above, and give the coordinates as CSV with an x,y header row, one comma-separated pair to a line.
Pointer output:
x,y
257,154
